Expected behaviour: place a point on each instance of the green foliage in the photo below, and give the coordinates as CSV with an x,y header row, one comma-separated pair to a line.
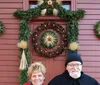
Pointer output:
x,y
73,31
1,27
30,13
49,11
97,29
24,30
68,14
71,17
23,77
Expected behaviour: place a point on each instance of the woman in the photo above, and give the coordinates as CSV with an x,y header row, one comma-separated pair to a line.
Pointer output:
x,y
36,74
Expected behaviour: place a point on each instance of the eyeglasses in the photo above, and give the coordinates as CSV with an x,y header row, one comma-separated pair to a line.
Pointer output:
x,y
74,65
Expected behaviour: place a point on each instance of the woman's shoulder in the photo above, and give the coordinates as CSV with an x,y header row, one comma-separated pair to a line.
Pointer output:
x,y
27,83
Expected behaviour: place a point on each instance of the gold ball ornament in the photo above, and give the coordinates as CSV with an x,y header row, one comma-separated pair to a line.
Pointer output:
x,y
73,46
22,44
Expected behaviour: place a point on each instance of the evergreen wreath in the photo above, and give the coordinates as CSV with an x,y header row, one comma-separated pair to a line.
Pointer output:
x,y
49,39
71,17
45,49
97,29
1,27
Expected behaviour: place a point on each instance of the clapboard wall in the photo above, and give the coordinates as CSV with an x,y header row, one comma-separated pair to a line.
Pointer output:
x,y
9,52
88,42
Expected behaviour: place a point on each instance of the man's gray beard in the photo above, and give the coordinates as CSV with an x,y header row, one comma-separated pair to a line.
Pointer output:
x,y
75,76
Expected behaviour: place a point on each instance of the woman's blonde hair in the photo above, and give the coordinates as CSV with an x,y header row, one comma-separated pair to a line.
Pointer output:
x,y
36,66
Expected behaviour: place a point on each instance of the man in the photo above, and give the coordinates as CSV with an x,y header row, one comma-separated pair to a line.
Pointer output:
x,y
73,74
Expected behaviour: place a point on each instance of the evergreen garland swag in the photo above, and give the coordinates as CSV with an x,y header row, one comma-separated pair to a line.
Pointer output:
x,y
71,17
97,29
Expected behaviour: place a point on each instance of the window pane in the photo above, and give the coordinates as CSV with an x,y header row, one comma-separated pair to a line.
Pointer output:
x,y
67,7
33,5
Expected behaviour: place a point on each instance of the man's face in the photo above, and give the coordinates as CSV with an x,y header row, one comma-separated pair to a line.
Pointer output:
x,y
74,68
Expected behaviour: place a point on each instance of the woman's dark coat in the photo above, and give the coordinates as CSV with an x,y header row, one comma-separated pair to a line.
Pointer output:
x,y
65,79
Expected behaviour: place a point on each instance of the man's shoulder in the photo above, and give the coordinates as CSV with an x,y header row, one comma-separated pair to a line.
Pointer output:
x,y
89,77
58,76
57,80
92,80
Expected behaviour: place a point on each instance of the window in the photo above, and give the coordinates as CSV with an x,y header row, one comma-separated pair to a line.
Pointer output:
x,y
32,4
65,4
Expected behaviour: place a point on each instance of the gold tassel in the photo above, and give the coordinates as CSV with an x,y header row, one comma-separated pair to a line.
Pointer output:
x,y
43,12
23,62
55,12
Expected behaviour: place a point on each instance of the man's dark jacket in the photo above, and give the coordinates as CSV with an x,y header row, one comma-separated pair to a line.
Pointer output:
x,y
65,79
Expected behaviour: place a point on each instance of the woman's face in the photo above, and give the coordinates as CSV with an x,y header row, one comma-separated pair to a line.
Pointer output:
x,y
37,78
